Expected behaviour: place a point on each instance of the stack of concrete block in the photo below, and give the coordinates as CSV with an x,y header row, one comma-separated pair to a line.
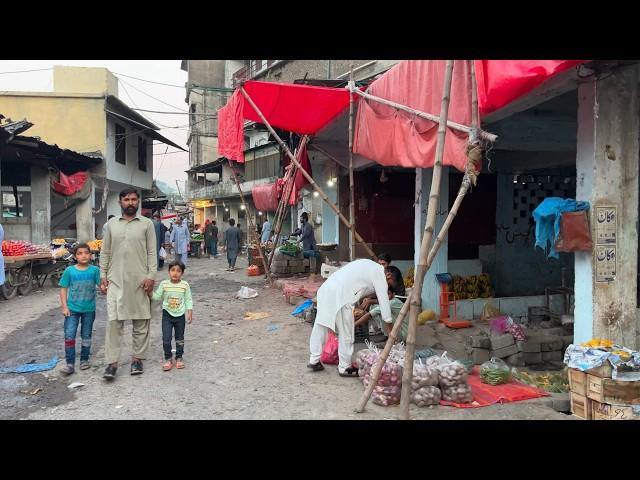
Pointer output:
x,y
533,351
286,265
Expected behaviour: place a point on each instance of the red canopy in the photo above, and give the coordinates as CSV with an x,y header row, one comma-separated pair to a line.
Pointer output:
x,y
301,109
502,81
396,138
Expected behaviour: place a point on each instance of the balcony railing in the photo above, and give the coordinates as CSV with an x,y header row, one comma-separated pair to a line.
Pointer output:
x,y
255,68
225,189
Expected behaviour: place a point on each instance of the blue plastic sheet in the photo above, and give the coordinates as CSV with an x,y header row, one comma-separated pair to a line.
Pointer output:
x,y
302,308
547,216
31,367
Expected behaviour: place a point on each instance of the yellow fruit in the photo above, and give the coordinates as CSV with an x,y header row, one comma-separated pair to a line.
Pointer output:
x,y
426,316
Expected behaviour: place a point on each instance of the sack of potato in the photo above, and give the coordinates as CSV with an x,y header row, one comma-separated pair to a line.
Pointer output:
x,y
453,379
424,389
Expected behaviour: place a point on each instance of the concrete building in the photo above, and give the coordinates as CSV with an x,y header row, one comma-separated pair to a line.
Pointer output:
x,y
84,114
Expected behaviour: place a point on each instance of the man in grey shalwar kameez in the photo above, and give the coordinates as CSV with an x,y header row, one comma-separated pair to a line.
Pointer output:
x,y
232,242
128,265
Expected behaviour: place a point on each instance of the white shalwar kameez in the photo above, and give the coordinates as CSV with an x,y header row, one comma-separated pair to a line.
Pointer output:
x,y
336,300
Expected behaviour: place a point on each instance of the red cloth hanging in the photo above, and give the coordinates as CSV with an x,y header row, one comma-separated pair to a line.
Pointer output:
x,y
68,185
396,138
230,132
500,82
265,197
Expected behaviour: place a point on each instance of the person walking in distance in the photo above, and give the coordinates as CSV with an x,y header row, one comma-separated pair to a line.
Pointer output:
x,y
128,265
180,240
211,237
232,243
160,230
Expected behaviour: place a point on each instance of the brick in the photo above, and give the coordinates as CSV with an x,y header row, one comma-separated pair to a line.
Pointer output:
x,y
532,358
502,341
550,344
551,356
295,263
516,360
529,346
505,351
479,356
480,341
560,402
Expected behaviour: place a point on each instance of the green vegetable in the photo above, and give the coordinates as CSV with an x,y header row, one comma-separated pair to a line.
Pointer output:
x,y
495,372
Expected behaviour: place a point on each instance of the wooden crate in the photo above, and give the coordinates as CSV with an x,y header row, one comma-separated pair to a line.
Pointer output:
x,y
606,390
580,406
603,371
607,411
578,381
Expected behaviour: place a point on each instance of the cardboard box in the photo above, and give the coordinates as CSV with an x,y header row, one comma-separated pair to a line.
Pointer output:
x,y
606,390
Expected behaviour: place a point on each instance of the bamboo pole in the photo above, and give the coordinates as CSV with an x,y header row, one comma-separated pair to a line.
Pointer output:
x,y
352,211
250,221
434,197
454,125
306,174
283,205
416,293
469,178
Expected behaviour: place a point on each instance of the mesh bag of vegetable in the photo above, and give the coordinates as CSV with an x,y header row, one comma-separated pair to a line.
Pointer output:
x,y
458,393
495,372
426,396
424,390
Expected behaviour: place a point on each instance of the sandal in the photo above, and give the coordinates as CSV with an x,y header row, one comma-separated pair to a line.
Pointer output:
x,y
168,365
179,363
349,372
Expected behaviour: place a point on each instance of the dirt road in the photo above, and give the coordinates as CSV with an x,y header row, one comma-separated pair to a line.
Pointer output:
x,y
236,368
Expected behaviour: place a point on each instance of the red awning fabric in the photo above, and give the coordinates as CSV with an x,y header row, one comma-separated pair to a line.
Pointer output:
x,y
302,109
502,81
265,197
395,138
230,132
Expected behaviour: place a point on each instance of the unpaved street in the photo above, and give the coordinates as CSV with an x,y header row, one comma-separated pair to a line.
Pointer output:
x,y
236,368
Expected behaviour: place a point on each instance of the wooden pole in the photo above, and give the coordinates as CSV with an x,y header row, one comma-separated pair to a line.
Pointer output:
x,y
454,125
306,174
252,226
434,197
415,299
284,201
352,211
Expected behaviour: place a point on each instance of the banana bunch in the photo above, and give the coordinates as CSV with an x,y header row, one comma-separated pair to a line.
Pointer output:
x,y
472,286
408,279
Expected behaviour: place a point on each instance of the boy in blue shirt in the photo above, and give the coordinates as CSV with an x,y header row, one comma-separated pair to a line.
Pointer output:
x,y
78,299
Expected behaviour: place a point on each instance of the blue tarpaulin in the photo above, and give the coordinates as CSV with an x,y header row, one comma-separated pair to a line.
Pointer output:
x,y
302,307
547,216
31,367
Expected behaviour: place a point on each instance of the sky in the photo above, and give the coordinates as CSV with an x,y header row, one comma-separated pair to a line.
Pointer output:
x,y
168,167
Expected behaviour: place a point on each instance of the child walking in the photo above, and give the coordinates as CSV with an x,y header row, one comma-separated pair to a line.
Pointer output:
x,y
78,300
176,301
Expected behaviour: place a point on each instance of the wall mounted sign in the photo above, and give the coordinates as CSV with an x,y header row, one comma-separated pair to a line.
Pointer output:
x,y
605,260
606,225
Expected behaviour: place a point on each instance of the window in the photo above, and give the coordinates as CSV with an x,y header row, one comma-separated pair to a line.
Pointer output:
x,y
121,145
142,154
192,117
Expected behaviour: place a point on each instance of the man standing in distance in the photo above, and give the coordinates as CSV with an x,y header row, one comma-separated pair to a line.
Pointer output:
x,y
128,264
180,240
232,242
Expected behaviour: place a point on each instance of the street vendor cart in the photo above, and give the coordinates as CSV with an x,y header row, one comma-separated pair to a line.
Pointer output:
x,y
21,271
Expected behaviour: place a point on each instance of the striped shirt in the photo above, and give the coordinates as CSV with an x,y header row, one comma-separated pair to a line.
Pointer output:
x,y
176,297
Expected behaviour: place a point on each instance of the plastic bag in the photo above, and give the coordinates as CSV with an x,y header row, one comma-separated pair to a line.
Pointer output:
x,y
489,311
457,394
426,396
330,351
451,372
424,376
386,396
575,235
162,253
495,372
246,292
390,375
499,325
